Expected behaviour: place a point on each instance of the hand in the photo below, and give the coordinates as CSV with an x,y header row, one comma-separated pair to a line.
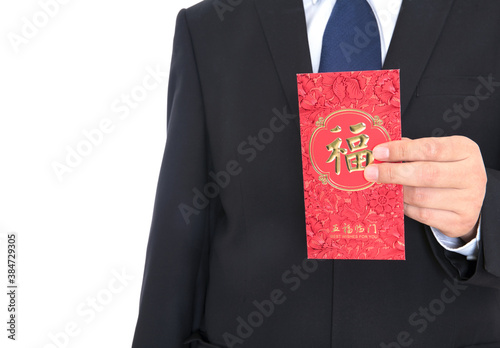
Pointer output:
x,y
444,181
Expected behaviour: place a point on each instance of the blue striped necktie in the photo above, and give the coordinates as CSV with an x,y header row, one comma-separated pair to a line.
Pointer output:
x,y
351,40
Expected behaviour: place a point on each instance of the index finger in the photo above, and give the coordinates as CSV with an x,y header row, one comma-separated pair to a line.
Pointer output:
x,y
448,149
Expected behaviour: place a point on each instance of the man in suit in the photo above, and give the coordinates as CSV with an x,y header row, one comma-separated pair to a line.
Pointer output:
x,y
226,261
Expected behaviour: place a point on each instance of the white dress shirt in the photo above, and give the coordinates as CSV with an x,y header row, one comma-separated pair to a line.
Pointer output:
x,y
386,11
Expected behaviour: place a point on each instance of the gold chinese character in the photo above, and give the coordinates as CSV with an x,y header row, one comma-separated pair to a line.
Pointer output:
x,y
372,229
359,228
360,158
347,229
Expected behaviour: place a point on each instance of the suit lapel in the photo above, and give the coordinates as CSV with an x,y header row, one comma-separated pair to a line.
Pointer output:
x,y
283,22
418,28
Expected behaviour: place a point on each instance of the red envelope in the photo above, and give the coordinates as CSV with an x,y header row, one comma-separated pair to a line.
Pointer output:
x,y
343,116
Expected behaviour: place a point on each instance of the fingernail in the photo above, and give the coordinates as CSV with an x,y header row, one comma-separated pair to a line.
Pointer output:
x,y
371,173
381,153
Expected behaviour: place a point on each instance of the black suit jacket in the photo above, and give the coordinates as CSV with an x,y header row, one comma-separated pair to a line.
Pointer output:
x,y
231,270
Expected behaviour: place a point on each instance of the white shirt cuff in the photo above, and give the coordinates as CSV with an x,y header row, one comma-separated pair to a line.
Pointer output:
x,y
470,250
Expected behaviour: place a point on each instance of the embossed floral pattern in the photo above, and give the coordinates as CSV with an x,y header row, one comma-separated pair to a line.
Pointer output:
x,y
383,200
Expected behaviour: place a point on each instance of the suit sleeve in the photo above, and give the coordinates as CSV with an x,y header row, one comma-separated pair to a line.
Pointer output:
x,y
486,270
177,242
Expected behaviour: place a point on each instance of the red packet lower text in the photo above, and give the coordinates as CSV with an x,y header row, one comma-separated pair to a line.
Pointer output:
x,y
343,116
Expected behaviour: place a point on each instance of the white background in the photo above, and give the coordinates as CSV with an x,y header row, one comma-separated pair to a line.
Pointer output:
x,y
64,69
